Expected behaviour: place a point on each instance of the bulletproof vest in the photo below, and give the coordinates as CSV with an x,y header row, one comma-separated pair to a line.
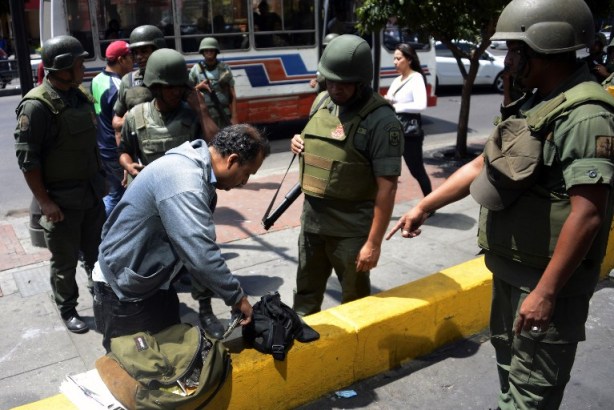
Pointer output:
x,y
331,166
137,92
155,139
511,233
219,84
73,156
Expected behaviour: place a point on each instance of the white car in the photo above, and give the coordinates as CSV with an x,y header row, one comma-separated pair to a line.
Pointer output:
x,y
498,44
448,73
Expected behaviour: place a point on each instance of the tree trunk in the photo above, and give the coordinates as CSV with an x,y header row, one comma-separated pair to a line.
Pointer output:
x,y
463,117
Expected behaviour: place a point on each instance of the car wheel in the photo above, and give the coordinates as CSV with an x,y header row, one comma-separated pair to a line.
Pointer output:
x,y
498,84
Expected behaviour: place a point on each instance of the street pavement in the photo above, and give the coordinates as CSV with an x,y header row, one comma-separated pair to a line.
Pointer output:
x,y
37,352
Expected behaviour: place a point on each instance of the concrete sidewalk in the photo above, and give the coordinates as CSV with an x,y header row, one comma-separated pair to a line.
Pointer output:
x,y
36,351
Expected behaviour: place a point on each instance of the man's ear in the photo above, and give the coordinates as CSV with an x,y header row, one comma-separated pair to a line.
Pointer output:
x,y
231,160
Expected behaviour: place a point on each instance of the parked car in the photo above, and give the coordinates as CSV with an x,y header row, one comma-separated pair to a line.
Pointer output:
x,y
498,44
448,73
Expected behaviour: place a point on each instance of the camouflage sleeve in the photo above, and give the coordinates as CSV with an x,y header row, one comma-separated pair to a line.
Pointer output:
x,y
585,146
384,142
33,132
120,107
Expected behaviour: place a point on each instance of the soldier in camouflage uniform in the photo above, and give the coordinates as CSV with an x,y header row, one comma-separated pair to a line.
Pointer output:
x,y
214,79
350,161
56,148
544,184
144,40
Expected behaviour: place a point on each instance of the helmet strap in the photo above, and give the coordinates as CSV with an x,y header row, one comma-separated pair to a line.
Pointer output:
x,y
524,66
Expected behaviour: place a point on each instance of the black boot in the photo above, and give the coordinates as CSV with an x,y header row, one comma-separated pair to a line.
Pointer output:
x,y
211,325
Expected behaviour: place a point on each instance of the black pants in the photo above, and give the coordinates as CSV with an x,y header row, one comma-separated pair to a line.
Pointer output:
x,y
412,154
115,318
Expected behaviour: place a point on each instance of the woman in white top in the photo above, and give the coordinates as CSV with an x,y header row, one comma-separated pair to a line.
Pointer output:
x,y
407,94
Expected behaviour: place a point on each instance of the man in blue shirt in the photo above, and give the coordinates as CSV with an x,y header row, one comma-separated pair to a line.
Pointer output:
x,y
105,89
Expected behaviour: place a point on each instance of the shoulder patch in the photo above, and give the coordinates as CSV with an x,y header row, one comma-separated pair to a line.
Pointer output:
x,y
394,136
604,146
24,123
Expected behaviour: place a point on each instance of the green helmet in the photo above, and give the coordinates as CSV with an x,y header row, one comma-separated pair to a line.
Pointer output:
x,y
209,43
147,35
166,67
328,38
347,58
60,53
547,27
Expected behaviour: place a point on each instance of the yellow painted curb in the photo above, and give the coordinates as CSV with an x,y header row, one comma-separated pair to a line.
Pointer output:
x,y
359,339
364,338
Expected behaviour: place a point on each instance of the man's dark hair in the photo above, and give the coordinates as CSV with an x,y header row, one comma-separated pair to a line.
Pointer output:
x,y
243,140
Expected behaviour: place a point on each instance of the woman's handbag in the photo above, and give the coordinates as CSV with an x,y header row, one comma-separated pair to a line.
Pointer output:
x,y
411,124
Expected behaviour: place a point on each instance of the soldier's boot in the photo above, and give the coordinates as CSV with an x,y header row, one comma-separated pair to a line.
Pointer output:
x,y
208,321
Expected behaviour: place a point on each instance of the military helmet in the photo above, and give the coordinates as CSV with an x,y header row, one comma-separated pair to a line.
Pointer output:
x,y
166,67
60,53
547,27
347,58
147,35
328,38
209,43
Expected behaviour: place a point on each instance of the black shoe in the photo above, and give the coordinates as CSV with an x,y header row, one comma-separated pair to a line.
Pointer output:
x,y
212,326
75,324
208,321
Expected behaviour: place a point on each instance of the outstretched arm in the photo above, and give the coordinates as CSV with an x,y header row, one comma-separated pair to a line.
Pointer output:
x,y
454,188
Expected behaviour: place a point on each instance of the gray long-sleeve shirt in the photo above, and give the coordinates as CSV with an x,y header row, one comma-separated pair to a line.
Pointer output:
x,y
165,218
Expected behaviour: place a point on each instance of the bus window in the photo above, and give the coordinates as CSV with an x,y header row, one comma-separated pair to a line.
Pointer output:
x,y
224,20
300,16
284,23
79,24
116,20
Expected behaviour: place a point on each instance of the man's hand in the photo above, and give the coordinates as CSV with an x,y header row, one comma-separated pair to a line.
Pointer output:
x,y
535,313
134,168
409,223
601,70
246,308
296,145
204,86
52,211
368,257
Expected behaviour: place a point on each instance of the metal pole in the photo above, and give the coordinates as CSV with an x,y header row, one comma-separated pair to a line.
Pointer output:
x,y
22,49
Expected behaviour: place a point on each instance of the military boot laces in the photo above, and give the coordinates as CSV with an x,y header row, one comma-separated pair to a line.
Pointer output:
x,y
209,322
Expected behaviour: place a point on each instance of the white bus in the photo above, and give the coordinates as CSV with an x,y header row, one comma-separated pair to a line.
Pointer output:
x,y
272,46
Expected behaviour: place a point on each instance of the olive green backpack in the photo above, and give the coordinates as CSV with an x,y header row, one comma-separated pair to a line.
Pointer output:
x,y
177,367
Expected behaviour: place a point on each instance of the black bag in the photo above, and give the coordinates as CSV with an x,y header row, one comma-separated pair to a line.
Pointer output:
x,y
411,124
274,327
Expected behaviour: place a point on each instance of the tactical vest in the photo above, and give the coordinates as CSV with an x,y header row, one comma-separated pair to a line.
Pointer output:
x,y
331,166
219,85
73,156
531,240
137,92
155,139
